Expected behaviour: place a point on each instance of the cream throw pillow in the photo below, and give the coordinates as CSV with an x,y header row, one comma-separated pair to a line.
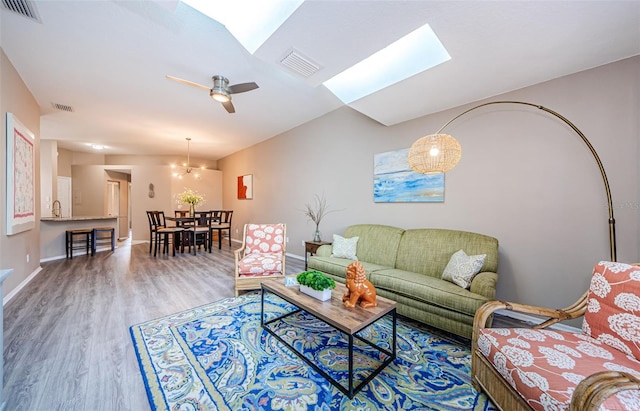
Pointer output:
x,y
344,247
462,268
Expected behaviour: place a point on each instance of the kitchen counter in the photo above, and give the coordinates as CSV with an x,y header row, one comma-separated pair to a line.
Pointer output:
x,y
52,232
79,218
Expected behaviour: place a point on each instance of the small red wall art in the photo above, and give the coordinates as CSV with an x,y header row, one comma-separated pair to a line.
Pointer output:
x,y
245,187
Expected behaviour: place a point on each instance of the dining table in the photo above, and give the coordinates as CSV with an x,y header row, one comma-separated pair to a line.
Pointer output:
x,y
189,222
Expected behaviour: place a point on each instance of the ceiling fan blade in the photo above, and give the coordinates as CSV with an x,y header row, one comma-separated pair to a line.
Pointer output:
x,y
188,83
242,87
229,107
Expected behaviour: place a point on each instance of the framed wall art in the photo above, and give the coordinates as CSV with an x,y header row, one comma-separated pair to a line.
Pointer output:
x,y
21,192
395,182
245,187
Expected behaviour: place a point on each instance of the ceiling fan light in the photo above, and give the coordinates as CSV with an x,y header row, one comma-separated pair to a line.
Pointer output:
x,y
220,96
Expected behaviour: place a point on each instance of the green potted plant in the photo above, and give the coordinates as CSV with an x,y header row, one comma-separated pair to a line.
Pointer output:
x,y
316,284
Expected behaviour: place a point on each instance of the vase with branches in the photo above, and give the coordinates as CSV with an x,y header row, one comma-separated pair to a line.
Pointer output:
x,y
316,212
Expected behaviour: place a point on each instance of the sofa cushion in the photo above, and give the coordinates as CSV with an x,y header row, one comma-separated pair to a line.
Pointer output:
x,y
264,238
428,250
260,264
344,247
462,268
545,366
613,306
378,244
427,289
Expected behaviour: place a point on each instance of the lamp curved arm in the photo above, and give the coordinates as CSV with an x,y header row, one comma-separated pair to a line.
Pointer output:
x,y
612,221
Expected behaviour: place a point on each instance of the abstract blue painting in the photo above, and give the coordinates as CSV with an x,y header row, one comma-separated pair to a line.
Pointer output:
x,y
395,182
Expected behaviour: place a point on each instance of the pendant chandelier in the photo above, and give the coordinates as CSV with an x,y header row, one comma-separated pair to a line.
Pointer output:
x,y
187,166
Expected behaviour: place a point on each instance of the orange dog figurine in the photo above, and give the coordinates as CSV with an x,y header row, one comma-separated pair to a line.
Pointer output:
x,y
359,288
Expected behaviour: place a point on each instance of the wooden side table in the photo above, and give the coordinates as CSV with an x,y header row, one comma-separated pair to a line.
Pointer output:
x,y
310,247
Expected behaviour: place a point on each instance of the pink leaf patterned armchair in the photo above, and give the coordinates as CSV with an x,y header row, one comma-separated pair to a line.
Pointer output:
x,y
544,369
261,256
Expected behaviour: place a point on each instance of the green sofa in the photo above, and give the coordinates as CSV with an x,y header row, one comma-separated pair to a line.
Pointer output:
x,y
406,266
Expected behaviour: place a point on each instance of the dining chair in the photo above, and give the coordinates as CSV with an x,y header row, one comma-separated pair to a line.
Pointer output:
x,y
223,224
181,214
165,235
152,229
199,233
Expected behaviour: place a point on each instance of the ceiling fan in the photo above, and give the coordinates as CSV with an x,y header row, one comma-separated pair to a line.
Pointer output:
x,y
221,90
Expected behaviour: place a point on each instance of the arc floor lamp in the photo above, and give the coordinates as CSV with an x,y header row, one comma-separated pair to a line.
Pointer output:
x,y
438,153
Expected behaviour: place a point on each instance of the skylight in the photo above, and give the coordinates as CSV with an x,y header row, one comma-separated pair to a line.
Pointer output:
x,y
417,51
252,22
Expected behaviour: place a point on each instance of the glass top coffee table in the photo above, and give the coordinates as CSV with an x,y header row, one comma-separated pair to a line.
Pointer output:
x,y
350,321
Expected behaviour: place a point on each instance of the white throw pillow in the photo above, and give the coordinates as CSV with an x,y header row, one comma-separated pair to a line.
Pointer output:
x,y
462,268
344,247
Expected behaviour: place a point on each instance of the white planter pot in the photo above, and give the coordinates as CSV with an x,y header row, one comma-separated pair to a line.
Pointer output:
x,y
323,295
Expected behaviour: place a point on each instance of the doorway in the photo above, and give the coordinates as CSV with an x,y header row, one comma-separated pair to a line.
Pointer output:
x,y
64,196
113,203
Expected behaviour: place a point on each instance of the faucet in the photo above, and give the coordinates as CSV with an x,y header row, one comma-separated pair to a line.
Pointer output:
x,y
56,209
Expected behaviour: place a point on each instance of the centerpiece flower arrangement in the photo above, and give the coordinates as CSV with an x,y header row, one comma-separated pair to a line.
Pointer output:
x,y
191,197
316,284
316,212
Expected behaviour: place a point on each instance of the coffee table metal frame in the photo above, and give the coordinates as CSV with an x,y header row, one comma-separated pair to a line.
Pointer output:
x,y
351,391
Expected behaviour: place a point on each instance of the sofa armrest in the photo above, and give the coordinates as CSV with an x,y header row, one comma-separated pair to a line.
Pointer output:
x,y
596,388
484,284
324,250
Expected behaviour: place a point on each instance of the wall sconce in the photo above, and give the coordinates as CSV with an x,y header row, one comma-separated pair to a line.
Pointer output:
x,y
438,153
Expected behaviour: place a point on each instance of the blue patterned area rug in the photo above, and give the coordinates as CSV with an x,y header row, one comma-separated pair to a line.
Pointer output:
x,y
217,357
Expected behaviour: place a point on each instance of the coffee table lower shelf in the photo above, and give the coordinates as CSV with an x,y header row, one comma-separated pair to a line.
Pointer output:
x,y
350,391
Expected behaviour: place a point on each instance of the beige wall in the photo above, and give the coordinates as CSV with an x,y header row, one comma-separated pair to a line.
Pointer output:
x,y
48,175
89,192
165,189
16,98
65,160
524,178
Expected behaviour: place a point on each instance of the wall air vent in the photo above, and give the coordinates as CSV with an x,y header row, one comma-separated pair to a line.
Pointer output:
x,y
299,64
25,8
62,107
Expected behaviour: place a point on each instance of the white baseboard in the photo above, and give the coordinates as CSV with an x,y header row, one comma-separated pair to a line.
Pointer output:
x,y
536,320
60,257
20,286
297,257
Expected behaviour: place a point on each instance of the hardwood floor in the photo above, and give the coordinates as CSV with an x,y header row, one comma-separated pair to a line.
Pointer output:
x,y
66,334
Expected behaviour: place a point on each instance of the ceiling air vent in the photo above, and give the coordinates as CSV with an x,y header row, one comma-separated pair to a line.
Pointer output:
x,y
62,107
25,8
299,64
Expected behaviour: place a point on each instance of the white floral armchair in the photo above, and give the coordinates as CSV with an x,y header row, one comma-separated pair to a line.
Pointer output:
x,y
542,369
261,256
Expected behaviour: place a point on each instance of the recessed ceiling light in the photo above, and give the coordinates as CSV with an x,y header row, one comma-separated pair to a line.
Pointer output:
x,y
252,22
416,52
97,146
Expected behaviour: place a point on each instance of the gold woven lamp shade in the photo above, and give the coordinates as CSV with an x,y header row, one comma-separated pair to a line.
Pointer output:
x,y
435,153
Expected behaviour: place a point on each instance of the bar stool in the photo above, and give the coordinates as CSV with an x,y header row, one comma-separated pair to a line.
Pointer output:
x,y
103,235
78,239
